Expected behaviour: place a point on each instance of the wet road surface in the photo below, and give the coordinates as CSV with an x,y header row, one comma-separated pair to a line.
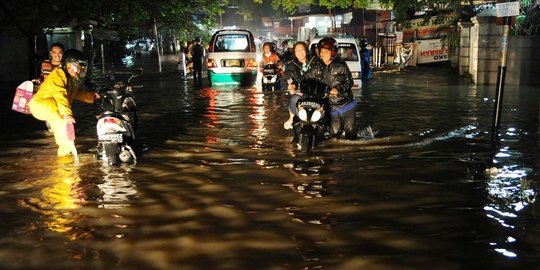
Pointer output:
x,y
219,186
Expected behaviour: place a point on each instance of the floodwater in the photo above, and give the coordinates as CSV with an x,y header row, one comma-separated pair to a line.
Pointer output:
x,y
218,185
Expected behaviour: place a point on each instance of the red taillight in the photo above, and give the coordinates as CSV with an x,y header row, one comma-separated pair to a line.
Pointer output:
x,y
111,120
211,44
211,63
252,41
109,125
252,63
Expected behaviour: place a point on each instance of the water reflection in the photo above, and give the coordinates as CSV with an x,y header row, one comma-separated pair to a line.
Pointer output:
x,y
117,188
60,194
308,166
309,185
210,113
312,189
226,192
221,115
510,192
257,119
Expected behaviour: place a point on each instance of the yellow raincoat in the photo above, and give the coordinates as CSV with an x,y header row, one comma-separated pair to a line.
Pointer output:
x,y
53,101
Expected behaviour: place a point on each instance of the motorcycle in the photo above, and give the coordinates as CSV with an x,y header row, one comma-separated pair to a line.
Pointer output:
x,y
271,77
311,122
117,122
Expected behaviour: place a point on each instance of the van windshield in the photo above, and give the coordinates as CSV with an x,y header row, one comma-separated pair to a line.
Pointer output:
x,y
231,43
347,52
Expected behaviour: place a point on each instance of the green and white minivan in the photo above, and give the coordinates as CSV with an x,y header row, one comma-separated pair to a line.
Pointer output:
x,y
232,58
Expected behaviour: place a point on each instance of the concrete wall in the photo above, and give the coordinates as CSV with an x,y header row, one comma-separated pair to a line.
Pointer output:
x,y
523,60
464,47
484,50
480,54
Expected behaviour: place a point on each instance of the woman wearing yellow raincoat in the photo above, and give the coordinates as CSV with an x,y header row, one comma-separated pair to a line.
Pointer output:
x,y
52,103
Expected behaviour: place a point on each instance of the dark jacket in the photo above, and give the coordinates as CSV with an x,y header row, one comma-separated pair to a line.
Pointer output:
x,y
197,54
293,69
336,75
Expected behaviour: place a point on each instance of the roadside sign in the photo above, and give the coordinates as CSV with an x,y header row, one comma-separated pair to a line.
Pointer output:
x,y
105,34
431,50
507,9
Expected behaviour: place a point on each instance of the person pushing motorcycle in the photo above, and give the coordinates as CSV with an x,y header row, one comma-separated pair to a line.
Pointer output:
x,y
52,103
336,75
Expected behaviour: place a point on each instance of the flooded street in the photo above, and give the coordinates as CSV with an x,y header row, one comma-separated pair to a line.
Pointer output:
x,y
219,186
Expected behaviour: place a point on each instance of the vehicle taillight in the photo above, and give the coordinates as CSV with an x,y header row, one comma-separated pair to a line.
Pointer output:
x,y
211,63
109,125
252,63
211,44
252,43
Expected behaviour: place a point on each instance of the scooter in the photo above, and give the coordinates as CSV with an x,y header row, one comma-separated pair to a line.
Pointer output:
x,y
117,122
271,77
311,122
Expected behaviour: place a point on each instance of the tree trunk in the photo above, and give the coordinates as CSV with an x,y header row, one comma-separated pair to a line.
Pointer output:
x,y
157,45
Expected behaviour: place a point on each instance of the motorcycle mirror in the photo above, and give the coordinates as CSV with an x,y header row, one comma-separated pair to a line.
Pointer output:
x,y
135,73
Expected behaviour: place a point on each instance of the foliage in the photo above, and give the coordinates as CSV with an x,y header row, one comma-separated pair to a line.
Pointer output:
x,y
178,17
251,12
528,22
291,5
402,8
127,16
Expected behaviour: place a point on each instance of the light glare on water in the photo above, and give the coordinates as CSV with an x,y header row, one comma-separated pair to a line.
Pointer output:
x,y
219,186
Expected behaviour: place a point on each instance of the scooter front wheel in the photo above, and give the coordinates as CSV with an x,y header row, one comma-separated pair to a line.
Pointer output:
x,y
306,143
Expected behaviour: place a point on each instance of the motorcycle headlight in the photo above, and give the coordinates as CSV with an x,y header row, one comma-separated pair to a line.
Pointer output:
x,y
355,75
302,114
316,116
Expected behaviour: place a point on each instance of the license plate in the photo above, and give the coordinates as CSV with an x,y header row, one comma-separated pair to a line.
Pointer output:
x,y
232,63
115,138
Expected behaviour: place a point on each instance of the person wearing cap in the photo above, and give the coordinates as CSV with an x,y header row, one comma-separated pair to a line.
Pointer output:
x,y
52,103
334,73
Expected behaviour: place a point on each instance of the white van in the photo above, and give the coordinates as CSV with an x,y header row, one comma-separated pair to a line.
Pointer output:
x,y
348,52
232,58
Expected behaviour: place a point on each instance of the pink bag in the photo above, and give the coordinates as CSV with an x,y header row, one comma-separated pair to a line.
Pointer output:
x,y
23,95
70,131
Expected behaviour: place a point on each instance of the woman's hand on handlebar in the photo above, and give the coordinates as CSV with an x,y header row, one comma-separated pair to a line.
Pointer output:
x,y
291,87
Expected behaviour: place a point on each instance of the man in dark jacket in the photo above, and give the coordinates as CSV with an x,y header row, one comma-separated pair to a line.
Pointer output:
x,y
335,74
197,54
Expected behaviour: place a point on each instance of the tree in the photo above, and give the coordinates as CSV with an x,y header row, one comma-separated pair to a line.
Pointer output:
x,y
401,8
252,13
129,17
528,22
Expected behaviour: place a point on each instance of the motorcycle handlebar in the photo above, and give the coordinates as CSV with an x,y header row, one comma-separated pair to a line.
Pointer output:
x,y
313,88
